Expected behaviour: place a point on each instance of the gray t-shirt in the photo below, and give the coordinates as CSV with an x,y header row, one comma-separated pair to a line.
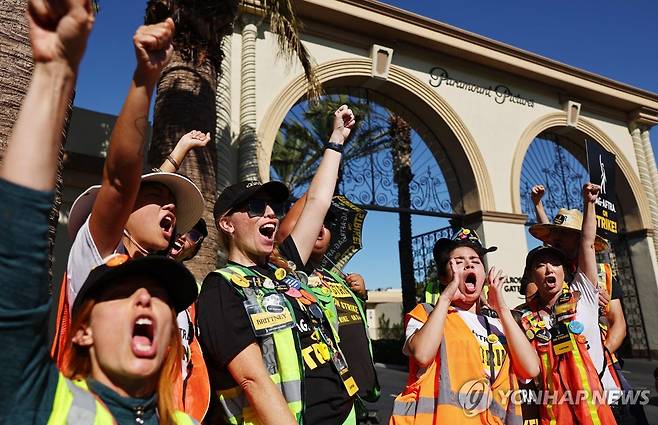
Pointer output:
x,y
84,257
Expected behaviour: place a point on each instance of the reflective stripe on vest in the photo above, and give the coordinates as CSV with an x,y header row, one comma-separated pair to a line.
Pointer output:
x,y
74,404
432,292
569,374
435,396
282,362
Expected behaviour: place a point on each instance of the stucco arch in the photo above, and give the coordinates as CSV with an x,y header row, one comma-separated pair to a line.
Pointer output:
x,y
434,112
636,206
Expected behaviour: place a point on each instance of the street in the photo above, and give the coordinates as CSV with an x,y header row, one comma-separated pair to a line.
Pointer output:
x,y
638,372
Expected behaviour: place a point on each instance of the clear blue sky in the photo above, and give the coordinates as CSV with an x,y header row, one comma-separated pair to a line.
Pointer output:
x,y
616,39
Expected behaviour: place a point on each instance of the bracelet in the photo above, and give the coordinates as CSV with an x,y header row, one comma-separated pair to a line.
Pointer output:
x,y
334,146
173,162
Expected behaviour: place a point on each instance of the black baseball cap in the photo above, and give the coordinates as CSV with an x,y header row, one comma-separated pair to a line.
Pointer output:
x,y
464,237
541,250
238,193
173,276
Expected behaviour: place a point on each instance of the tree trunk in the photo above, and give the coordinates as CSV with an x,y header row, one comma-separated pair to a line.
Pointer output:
x,y
186,101
400,133
17,65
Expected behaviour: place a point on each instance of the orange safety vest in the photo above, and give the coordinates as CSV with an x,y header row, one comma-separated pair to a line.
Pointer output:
x,y
191,396
444,393
570,376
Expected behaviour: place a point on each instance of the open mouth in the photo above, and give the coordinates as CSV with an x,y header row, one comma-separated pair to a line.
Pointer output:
x,y
167,224
176,248
551,281
267,230
470,282
143,337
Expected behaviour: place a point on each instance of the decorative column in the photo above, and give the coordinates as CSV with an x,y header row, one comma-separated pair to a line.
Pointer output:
x,y
227,155
651,160
645,178
248,145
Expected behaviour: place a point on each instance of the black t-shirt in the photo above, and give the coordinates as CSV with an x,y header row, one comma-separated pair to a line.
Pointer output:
x,y
225,330
353,339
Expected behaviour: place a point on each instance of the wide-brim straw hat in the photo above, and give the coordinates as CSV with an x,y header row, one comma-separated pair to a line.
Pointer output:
x,y
189,202
565,221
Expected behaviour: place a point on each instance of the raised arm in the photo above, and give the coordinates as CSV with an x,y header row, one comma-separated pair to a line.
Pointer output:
x,y
193,139
58,33
524,357
425,343
59,37
586,253
318,197
123,166
536,193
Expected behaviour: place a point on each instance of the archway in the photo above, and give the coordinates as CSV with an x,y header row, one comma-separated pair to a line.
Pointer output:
x,y
556,158
443,139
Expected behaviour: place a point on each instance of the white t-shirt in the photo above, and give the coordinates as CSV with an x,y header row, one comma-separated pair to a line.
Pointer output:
x,y
84,257
476,324
588,314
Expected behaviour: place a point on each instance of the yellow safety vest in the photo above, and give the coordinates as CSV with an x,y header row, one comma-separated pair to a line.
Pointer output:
x,y
74,404
284,367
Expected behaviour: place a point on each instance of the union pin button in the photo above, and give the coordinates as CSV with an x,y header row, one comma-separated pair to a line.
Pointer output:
x,y
240,280
280,273
492,338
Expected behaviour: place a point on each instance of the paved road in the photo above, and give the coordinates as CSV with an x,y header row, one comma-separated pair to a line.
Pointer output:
x,y
638,372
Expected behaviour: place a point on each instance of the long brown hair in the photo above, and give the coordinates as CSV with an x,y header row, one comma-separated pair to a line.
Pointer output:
x,y
78,364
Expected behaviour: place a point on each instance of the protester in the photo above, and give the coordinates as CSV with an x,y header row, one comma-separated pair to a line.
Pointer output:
x,y
561,235
270,348
346,294
125,342
192,392
127,213
561,320
453,350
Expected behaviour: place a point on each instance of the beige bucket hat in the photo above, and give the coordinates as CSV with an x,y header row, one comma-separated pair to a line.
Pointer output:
x,y
565,221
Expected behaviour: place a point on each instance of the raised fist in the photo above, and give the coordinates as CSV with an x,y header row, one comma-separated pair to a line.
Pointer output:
x,y
153,48
591,192
59,30
343,123
537,192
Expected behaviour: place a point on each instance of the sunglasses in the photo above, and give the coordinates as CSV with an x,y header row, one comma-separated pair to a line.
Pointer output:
x,y
256,207
195,236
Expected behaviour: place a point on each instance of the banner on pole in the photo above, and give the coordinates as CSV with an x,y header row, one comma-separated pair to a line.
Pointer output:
x,y
601,166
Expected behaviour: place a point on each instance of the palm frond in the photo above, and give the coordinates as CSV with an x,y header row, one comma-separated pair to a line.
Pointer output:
x,y
284,23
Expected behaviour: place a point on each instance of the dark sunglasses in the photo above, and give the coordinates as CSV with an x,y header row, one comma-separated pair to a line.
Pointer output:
x,y
195,236
256,207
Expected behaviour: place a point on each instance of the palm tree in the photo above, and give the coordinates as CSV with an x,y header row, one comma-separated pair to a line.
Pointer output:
x,y
400,134
300,141
17,64
186,92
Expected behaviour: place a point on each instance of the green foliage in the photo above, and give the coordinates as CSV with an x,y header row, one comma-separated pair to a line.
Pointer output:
x,y
388,331
299,143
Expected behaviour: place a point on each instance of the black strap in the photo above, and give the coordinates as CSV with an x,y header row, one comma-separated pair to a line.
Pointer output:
x,y
490,355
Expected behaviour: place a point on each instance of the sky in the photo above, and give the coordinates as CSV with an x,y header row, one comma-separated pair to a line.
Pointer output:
x,y
616,39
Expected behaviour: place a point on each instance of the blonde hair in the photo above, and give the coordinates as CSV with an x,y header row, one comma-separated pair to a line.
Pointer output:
x,y
77,365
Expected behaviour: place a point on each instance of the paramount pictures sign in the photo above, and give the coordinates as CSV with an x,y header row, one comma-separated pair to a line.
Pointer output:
x,y
500,93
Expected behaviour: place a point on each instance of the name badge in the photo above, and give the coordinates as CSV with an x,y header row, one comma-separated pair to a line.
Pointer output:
x,y
561,339
274,317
